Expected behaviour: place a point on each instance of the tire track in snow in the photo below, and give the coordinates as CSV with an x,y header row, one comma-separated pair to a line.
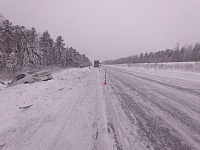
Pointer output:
x,y
95,124
62,117
188,90
85,120
192,104
163,105
121,138
160,98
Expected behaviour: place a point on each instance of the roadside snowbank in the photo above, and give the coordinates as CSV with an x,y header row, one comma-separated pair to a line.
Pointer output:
x,y
173,66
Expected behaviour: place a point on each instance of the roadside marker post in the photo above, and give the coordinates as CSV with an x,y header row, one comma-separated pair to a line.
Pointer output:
x,y
105,82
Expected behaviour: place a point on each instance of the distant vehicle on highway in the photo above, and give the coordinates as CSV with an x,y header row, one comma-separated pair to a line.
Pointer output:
x,y
96,63
30,77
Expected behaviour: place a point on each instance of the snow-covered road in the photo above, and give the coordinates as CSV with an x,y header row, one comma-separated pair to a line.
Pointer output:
x,y
137,110
163,106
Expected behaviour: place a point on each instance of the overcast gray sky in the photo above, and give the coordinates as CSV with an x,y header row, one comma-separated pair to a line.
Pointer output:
x,y
110,29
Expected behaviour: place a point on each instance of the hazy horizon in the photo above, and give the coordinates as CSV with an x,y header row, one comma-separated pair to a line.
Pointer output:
x,y
110,29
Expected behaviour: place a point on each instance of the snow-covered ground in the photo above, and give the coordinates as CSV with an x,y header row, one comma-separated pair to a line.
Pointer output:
x,y
139,109
63,114
68,112
172,66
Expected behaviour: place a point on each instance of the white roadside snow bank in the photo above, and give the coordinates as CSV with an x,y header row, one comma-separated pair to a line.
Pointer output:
x,y
172,66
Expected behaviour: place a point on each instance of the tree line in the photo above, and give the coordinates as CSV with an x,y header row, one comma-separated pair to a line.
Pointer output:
x,y
183,54
22,48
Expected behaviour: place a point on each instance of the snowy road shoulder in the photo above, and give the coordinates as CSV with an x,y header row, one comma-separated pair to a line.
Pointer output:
x,y
19,126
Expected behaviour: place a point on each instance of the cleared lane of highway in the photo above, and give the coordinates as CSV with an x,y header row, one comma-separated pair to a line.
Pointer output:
x,y
165,106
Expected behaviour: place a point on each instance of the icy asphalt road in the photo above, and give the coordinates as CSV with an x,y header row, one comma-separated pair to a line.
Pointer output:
x,y
137,110
164,106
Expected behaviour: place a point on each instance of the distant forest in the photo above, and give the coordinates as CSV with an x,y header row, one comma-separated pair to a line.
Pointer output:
x,y
22,48
183,54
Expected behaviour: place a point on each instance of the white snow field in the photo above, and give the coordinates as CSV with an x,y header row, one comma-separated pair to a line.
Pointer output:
x,y
173,66
139,109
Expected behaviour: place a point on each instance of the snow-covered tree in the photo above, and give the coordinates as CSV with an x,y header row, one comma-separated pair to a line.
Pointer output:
x,y
6,41
22,48
35,55
46,46
59,47
64,57
1,18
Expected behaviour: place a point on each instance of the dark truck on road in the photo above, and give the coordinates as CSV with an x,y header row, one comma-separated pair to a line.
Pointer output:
x,y
96,63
